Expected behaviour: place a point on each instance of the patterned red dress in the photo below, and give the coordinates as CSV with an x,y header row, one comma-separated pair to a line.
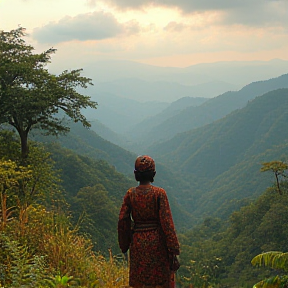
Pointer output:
x,y
153,235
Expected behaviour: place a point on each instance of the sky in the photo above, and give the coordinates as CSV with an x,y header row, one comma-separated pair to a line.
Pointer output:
x,y
176,33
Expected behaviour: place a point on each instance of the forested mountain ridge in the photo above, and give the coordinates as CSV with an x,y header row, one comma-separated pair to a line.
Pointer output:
x,y
119,113
225,156
140,129
223,250
94,191
213,109
88,143
88,147
203,185
107,134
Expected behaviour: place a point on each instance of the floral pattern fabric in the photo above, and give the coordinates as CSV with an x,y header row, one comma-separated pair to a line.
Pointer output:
x,y
144,163
149,247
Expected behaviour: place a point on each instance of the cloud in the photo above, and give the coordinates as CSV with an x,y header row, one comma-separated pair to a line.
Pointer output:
x,y
188,6
269,13
245,12
131,27
184,5
174,26
83,27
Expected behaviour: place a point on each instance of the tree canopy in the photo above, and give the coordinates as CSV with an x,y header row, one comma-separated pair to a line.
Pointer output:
x,y
31,96
278,168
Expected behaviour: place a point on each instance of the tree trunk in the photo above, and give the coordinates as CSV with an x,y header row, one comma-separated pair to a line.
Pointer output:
x,y
278,184
24,144
3,210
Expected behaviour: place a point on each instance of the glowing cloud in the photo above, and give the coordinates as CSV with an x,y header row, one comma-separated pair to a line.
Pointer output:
x,y
83,27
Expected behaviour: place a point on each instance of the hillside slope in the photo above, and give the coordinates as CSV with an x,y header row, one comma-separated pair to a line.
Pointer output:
x,y
90,147
80,171
87,142
226,156
119,113
213,109
140,129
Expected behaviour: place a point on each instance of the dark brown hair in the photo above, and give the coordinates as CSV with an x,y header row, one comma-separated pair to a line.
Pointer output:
x,y
144,176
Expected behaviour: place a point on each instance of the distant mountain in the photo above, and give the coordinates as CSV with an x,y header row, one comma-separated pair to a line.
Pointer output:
x,y
211,110
138,132
241,72
236,73
164,91
107,134
223,159
106,71
119,114
183,103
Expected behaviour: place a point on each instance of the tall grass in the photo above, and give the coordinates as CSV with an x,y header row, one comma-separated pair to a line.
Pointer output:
x,y
66,258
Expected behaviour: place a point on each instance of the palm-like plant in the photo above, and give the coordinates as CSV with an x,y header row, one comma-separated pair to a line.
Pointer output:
x,y
274,260
64,281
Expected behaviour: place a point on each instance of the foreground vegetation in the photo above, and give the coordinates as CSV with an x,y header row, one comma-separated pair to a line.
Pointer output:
x,y
218,253
40,245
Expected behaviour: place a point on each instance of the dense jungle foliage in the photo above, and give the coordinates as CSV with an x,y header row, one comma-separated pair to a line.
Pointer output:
x,y
218,253
44,242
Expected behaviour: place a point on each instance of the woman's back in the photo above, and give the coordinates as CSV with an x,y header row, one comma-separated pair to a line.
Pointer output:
x,y
153,234
144,203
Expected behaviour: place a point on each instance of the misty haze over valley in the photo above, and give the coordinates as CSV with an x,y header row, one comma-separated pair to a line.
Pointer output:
x,y
139,102
206,138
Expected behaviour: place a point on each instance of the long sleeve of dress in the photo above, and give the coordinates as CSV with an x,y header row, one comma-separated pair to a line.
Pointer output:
x,y
167,224
124,225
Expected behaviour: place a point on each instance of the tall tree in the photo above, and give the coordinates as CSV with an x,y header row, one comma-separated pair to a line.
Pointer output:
x,y
278,168
32,97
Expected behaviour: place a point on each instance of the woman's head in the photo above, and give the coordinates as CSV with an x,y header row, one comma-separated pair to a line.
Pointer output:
x,y
144,169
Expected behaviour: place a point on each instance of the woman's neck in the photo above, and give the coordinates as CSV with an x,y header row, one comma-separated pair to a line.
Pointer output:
x,y
144,183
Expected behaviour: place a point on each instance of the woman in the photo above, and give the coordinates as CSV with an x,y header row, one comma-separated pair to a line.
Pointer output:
x,y
152,239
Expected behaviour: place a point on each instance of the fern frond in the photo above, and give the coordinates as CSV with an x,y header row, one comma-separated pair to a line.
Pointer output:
x,y
273,259
23,270
273,282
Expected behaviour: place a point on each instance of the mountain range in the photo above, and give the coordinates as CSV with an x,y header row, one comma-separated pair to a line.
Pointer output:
x,y
91,147
211,110
120,114
162,91
237,73
132,122
213,166
222,160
